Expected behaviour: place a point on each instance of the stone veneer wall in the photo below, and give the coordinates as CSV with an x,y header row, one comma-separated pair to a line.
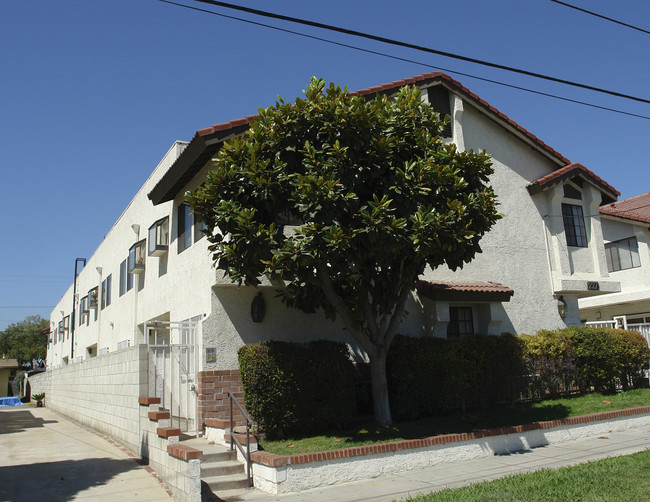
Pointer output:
x,y
213,388
100,392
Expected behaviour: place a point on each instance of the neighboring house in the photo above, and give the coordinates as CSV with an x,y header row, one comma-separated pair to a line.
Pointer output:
x,y
8,368
151,281
626,232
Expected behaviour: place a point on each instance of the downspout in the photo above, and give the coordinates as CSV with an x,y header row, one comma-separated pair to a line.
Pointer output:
x,y
74,303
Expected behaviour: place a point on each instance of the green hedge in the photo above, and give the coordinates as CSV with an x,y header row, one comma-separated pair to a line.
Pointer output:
x,y
581,358
432,375
292,388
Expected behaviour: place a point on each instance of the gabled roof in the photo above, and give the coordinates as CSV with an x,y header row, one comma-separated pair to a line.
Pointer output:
x,y
207,141
635,208
464,291
572,171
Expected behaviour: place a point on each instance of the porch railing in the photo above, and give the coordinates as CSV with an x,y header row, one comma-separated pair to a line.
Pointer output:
x,y
234,440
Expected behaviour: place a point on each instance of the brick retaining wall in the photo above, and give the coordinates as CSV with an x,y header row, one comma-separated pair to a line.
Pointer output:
x,y
213,387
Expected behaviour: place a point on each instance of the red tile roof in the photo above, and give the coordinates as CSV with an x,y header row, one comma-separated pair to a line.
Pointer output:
x,y
470,96
206,141
468,291
571,171
636,208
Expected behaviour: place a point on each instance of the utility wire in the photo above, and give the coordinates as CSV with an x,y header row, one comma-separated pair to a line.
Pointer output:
x,y
407,45
378,53
601,16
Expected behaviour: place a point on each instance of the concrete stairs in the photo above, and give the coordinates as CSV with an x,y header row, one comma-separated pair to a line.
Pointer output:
x,y
222,476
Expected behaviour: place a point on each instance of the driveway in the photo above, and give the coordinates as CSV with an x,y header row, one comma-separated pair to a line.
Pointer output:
x,y
44,456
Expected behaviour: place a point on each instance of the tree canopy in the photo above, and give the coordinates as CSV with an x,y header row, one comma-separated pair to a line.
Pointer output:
x,y
24,340
346,200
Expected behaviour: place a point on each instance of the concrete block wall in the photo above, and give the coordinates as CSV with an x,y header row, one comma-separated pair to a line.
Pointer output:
x,y
102,393
41,382
177,465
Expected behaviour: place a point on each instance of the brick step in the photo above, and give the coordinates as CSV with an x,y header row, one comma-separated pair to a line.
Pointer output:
x,y
227,482
211,469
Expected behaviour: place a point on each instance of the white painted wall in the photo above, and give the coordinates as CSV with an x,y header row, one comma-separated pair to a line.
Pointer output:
x,y
185,285
634,297
176,286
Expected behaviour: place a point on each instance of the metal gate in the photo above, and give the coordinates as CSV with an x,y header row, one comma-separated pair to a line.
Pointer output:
x,y
172,370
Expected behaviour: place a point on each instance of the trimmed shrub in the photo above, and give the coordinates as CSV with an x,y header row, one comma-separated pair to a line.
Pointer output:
x,y
584,358
632,355
551,363
292,388
433,375
596,357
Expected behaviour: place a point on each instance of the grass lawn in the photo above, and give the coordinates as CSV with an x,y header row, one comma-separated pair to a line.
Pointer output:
x,y
620,479
518,414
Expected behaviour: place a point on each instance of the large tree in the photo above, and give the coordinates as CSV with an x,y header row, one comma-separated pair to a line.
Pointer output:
x,y
346,201
25,340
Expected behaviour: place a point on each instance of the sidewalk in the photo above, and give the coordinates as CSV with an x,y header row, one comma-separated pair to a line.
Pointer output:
x,y
44,456
388,487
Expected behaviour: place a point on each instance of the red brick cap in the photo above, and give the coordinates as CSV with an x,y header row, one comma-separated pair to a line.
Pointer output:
x,y
158,415
273,460
146,401
183,452
166,432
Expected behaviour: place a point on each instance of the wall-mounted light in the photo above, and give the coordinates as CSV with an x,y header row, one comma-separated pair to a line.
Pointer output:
x,y
599,316
561,307
136,228
258,308
99,270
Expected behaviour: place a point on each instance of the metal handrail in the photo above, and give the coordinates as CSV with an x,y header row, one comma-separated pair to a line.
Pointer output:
x,y
235,442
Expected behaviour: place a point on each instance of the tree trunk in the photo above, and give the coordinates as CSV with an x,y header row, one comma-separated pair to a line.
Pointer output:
x,y
380,388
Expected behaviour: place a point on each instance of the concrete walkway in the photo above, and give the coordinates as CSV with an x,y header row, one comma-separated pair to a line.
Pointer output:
x,y
388,487
44,456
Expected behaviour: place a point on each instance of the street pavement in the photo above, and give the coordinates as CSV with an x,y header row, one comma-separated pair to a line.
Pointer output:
x,y
44,456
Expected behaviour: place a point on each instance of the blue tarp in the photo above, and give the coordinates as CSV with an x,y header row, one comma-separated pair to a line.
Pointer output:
x,y
10,401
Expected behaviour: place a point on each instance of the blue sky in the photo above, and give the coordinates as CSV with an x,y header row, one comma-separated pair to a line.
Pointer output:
x,y
94,93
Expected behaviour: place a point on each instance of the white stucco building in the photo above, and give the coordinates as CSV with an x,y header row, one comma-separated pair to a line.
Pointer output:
x,y
151,281
626,232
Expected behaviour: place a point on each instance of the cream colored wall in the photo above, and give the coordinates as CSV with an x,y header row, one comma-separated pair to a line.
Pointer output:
x,y
4,382
634,297
514,251
186,285
176,286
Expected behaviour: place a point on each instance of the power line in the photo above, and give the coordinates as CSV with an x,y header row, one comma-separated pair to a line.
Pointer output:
x,y
407,60
421,48
601,16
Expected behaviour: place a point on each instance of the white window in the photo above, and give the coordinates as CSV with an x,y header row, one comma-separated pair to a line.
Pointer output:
x,y
137,255
159,237
622,254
